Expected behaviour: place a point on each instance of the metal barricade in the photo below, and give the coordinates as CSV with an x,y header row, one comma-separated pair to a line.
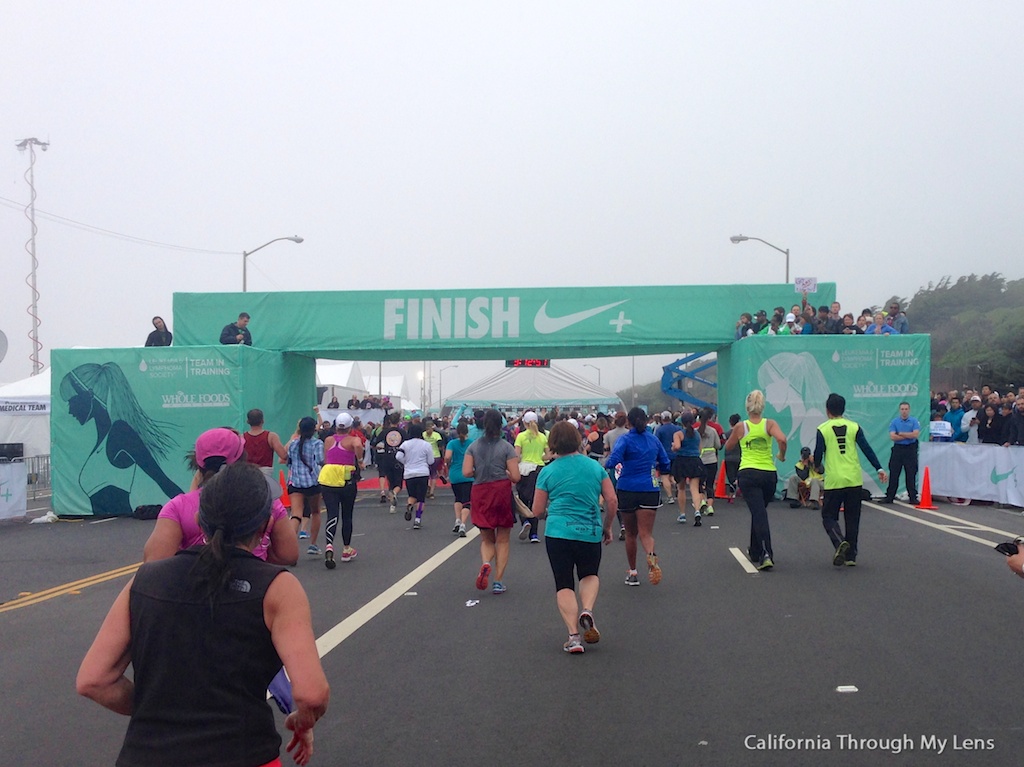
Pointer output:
x,y
38,469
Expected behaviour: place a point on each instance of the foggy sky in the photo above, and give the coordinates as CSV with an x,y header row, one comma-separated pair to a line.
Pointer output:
x,y
432,145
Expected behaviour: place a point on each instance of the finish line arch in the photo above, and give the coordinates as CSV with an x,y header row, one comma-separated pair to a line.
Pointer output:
x,y
165,397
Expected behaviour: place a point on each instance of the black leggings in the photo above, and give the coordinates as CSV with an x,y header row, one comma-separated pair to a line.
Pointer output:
x,y
345,498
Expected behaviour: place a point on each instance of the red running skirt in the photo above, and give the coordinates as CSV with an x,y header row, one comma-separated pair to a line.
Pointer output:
x,y
492,504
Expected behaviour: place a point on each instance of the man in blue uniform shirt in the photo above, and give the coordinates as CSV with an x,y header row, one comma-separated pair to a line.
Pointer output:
x,y
904,432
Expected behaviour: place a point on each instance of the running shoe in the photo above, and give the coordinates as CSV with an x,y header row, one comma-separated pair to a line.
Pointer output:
x,y
408,513
632,579
313,551
393,509
590,633
534,538
348,554
681,519
622,533
455,529
696,519
840,558
765,563
653,569
462,531
416,524
670,499
703,508
710,512
850,563
573,645
329,562
430,495
484,577
383,498
498,588
303,534
524,533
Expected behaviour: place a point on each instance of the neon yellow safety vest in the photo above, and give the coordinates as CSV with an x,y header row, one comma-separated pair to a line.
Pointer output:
x,y
757,447
842,463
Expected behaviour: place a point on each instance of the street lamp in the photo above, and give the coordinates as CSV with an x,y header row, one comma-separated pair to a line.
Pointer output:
x,y
738,238
440,386
422,374
246,254
588,365
33,310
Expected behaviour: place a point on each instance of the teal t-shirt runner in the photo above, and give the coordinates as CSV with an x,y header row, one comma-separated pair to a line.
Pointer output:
x,y
573,485
458,449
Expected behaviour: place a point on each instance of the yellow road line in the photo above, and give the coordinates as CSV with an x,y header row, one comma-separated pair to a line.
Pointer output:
x,y
67,588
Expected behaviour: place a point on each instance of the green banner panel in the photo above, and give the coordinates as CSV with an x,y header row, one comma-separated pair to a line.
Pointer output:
x,y
123,419
797,373
486,324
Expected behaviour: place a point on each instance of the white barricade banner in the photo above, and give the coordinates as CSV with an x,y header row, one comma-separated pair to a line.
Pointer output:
x,y
979,472
13,490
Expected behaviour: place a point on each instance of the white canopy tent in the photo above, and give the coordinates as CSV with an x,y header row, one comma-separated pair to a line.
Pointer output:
x,y
534,387
25,413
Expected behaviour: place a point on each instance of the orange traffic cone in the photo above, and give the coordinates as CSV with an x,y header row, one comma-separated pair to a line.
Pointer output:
x,y
926,493
720,491
285,500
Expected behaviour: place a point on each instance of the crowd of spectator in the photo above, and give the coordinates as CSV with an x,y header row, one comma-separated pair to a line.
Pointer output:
x,y
803,319
367,402
978,417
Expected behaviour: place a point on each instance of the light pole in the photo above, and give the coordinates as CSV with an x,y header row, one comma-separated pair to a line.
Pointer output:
x,y
440,386
588,365
246,254
738,238
421,374
30,144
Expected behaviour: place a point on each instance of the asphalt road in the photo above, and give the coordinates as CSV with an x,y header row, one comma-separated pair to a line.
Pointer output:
x,y
714,666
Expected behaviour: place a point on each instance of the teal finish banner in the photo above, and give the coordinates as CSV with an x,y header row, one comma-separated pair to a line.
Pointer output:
x,y
123,420
797,373
487,323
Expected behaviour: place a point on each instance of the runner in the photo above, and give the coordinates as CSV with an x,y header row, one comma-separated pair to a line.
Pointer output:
x,y
416,456
640,454
710,444
569,492
177,526
757,476
454,455
492,463
305,457
609,443
386,443
261,445
339,484
837,442
157,618
687,469
433,438
532,450
666,432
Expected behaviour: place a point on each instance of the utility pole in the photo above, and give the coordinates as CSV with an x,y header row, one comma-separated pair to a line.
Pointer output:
x,y
30,211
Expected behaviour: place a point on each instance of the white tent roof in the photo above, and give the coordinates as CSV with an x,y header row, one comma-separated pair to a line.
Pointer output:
x,y
33,386
334,373
535,387
394,386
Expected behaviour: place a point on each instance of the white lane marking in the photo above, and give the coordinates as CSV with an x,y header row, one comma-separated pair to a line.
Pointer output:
x,y
745,563
943,528
101,521
346,628
846,688
964,522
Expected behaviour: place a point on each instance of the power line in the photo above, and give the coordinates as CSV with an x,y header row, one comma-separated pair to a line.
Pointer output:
x,y
108,233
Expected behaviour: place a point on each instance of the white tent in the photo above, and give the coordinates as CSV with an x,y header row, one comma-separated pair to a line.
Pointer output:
x,y
534,387
342,379
25,413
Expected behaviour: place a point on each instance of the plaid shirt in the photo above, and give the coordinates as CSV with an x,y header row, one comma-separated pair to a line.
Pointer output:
x,y
300,475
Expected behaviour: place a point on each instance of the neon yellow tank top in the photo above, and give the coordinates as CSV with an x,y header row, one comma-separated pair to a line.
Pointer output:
x,y
757,447
842,464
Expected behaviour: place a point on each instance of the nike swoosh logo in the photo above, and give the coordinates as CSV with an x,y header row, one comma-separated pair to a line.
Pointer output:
x,y
997,478
544,324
